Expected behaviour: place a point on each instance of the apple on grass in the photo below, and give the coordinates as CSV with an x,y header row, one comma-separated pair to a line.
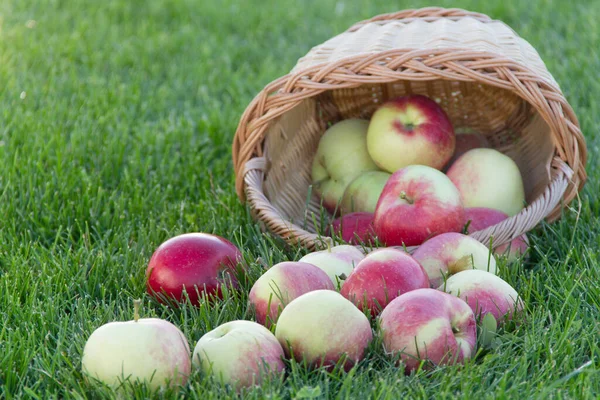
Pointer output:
x,y
488,178
149,350
410,130
417,202
337,261
341,156
382,276
281,284
322,328
354,228
200,263
428,325
363,192
239,353
479,218
450,253
485,293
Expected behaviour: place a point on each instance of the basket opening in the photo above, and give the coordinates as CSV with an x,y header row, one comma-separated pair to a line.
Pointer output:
x,y
511,125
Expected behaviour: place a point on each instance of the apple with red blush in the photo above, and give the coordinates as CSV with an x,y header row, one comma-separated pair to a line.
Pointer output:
x,y
354,228
410,130
417,202
199,263
383,275
428,326
466,141
337,262
281,284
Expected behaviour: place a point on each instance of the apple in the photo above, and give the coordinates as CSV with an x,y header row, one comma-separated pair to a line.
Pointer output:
x,y
382,276
355,228
337,261
239,353
488,178
417,202
428,325
410,130
363,192
485,293
480,218
322,328
341,156
149,350
200,263
281,284
468,141
450,253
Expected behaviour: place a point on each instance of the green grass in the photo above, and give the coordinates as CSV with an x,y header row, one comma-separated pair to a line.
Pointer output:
x,y
116,122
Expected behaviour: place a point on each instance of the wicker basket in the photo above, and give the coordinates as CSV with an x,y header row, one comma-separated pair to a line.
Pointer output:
x,y
480,71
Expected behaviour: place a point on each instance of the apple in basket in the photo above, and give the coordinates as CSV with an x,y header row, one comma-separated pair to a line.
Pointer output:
x,y
281,284
239,353
341,156
363,192
466,141
427,325
410,130
337,261
479,218
450,253
382,276
149,350
485,293
200,263
488,178
322,328
417,202
354,228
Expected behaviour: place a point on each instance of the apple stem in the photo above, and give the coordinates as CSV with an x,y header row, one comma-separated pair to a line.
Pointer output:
x,y
136,309
403,196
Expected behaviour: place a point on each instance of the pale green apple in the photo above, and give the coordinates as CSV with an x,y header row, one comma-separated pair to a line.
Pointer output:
x,y
341,156
363,192
337,261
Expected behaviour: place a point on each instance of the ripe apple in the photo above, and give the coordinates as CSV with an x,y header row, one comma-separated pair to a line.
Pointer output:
x,y
428,325
468,141
382,276
480,218
337,261
322,328
148,350
450,253
281,284
417,202
363,192
485,293
341,156
355,228
410,130
240,353
488,178
200,263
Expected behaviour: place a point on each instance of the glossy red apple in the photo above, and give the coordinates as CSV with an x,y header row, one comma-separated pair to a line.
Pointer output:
x,y
417,202
199,262
382,276
355,228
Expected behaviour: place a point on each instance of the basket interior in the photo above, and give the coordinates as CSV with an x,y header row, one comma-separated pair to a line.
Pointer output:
x,y
511,125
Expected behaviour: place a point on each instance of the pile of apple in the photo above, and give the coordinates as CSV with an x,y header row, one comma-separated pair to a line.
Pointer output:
x,y
323,310
384,177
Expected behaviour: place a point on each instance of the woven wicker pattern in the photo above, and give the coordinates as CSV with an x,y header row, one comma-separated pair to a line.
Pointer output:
x,y
486,78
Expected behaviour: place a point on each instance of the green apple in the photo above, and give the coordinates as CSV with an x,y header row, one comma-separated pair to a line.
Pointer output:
x,y
363,192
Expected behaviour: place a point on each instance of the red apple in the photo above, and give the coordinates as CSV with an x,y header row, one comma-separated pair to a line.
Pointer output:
x,y
281,284
428,325
417,202
410,130
355,228
480,218
200,263
382,276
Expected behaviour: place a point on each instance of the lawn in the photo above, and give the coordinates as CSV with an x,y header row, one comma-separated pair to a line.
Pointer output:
x,y
116,124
